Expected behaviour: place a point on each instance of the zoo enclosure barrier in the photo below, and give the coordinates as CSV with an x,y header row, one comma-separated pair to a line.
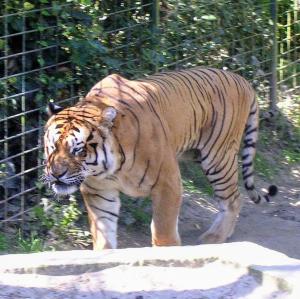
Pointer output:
x,y
55,51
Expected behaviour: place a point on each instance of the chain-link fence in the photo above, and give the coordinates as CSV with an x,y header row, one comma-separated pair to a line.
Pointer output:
x,y
52,50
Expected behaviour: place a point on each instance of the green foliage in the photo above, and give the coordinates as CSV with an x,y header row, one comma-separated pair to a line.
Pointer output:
x,y
115,43
217,34
135,212
193,179
291,156
3,242
263,167
51,225
62,221
31,244
279,138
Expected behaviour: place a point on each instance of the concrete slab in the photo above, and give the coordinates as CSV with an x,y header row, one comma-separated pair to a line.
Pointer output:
x,y
230,270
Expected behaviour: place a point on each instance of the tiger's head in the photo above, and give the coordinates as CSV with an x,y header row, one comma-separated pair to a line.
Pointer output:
x,y
78,143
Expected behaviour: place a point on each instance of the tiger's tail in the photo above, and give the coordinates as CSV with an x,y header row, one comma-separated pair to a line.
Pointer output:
x,y
248,154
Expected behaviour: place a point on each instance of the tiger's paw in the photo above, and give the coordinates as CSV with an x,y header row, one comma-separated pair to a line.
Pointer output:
x,y
211,238
166,242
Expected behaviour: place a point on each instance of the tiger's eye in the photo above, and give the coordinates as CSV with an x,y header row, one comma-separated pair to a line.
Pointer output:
x,y
82,153
79,152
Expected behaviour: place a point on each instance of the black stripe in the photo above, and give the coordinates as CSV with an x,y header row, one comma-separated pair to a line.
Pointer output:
x,y
225,188
123,157
157,178
90,186
253,104
194,91
247,164
102,197
216,152
249,187
178,75
137,138
244,171
224,182
225,76
116,99
199,88
221,169
94,146
212,126
208,96
90,137
99,173
161,85
105,217
247,127
247,144
208,82
235,82
221,96
104,211
126,93
227,197
218,75
105,156
164,80
244,157
247,175
154,111
143,177
251,131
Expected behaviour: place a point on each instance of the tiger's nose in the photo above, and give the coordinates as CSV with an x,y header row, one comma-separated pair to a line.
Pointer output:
x,y
59,168
57,174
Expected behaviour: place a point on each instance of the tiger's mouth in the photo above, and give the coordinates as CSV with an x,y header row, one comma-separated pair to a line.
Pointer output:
x,y
61,188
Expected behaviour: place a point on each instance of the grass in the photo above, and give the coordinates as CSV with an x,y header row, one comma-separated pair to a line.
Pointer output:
x,y
20,243
135,211
291,156
33,243
3,243
263,167
193,179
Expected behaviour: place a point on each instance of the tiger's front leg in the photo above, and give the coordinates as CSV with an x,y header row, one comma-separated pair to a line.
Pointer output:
x,y
166,203
103,213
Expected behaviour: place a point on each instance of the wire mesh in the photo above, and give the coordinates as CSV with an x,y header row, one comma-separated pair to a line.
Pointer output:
x,y
23,71
289,51
134,38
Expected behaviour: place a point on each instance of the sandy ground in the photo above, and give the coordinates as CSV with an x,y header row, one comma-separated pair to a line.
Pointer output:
x,y
275,225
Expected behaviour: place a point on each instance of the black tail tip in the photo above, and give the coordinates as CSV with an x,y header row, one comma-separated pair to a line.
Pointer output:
x,y
272,190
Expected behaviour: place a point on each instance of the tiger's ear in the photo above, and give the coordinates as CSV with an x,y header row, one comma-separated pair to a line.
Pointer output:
x,y
108,116
53,109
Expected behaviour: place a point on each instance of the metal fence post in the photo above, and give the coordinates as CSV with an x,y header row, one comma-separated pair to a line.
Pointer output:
x,y
273,79
155,25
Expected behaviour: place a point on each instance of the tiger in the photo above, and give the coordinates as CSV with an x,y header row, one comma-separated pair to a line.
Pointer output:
x,y
127,136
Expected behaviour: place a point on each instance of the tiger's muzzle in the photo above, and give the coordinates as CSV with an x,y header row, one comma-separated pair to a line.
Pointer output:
x,y
63,183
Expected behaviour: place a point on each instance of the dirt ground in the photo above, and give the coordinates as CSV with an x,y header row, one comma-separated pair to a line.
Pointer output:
x,y
275,225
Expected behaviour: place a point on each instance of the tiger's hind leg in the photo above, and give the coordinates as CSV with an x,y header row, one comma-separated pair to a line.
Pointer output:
x,y
224,180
